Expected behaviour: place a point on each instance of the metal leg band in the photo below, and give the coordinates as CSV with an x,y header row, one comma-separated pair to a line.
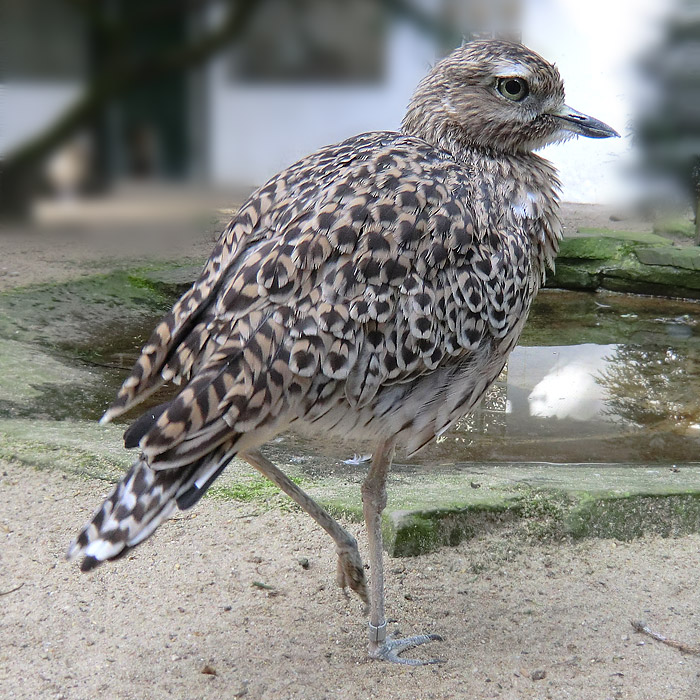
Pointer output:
x,y
377,634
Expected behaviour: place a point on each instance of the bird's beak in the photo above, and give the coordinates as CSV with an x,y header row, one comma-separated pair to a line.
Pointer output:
x,y
579,123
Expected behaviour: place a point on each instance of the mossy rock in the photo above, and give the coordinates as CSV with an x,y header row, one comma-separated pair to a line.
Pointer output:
x,y
661,280
540,501
171,281
48,314
548,502
626,518
407,534
604,244
684,258
627,261
633,237
675,226
593,248
569,275
545,515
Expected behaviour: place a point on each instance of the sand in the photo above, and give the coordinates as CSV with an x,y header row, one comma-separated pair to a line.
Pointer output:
x,y
520,619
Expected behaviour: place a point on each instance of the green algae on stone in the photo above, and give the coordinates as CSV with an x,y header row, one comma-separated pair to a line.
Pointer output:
x,y
80,448
169,280
76,311
675,226
658,280
249,488
55,336
684,258
551,502
632,237
576,275
593,248
626,261
408,534
625,518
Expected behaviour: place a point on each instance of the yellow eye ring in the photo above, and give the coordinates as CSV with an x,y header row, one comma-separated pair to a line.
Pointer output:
x,y
515,89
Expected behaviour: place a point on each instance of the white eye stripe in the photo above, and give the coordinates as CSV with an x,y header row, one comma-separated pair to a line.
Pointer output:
x,y
512,70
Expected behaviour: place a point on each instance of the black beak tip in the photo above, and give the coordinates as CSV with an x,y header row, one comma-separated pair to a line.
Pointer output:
x,y
606,135
584,125
594,129
609,133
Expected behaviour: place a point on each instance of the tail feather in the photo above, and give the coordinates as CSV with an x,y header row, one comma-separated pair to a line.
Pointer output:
x,y
143,424
140,502
186,499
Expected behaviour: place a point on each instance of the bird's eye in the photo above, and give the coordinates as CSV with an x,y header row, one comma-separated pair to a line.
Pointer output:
x,y
515,89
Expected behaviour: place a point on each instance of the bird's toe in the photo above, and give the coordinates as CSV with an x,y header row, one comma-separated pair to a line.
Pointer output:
x,y
391,648
351,572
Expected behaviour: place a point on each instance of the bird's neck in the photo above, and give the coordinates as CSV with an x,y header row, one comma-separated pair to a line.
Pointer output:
x,y
519,192
426,117
524,184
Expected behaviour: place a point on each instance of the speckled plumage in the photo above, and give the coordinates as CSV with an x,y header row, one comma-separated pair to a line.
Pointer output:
x,y
389,267
374,288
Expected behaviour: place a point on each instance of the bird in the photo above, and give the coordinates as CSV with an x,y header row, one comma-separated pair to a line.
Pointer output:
x,y
373,288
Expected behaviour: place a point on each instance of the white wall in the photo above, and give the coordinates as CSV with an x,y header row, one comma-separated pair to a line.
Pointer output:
x,y
595,45
252,132
256,131
27,108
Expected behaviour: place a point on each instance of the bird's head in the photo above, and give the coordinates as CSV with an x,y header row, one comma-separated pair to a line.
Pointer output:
x,y
496,95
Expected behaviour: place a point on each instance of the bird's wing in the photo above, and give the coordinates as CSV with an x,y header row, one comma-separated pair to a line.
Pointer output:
x,y
372,271
266,212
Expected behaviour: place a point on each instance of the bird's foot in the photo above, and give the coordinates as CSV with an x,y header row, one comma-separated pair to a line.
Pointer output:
x,y
389,648
351,571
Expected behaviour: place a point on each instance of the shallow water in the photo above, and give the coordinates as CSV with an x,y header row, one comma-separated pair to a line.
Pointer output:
x,y
596,378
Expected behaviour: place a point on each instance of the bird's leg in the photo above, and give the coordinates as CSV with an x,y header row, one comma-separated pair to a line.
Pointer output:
x,y
350,572
373,503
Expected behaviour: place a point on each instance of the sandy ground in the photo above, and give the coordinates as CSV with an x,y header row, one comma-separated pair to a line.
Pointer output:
x,y
520,619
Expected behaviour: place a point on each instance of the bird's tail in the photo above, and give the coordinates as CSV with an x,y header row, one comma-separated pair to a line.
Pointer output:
x,y
141,501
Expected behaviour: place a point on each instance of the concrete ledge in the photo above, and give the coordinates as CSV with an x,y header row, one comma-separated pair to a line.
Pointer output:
x,y
428,508
683,258
626,261
548,514
549,501
51,393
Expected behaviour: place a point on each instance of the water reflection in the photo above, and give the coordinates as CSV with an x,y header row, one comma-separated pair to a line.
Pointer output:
x,y
634,401
653,387
569,388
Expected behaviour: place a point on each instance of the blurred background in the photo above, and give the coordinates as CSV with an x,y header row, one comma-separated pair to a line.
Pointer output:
x,y
206,99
